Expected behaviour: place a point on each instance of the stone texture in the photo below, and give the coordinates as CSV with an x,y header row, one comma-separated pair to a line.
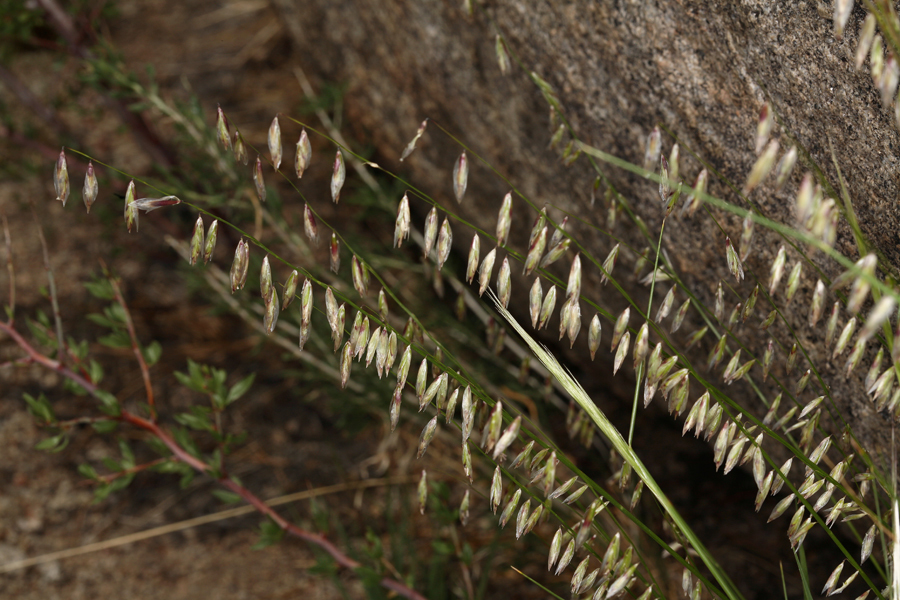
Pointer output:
x,y
700,69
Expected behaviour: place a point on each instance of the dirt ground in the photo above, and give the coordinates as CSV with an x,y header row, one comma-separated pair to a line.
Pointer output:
x,y
236,53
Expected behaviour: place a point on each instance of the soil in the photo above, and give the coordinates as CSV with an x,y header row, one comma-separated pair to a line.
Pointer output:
x,y
238,54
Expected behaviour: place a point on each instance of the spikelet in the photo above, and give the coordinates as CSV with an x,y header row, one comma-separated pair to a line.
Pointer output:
x,y
793,282
653,147
609,264
222,129
212,235
535,251
401,226
240,266
866,36
746,237
534,301
764,126
484,272
474,255
844,338
880,313
784,167
695,196
306,305
131,212
768,355
547,307
761,168
412,144
666,305
258,180
422,491
304,154
309,225
620,327
594,336
818,304
510,508
444,243
573,289
197,241
734,261
335,253
240,149
641,345
91,187
274,142
621,351
61,178
504,285
338,175
460,176
777,270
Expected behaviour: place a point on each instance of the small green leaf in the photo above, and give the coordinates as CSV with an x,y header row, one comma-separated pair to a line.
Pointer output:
x,y
240,388
269,533
116,339
105,426
111,464
226,496
100,320
195,420
100,288
40,408
53,444
88,471
128,460
109,403
95,372
152,352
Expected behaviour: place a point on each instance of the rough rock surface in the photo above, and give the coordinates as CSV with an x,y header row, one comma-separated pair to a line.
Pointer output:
x,y
700,69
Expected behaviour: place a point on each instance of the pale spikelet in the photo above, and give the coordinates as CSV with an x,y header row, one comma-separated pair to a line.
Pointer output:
x,y
547,307
880,313
259,181
422,491
426,436
484,272
452,401
338,175
523,456
467,463
793,282
679,316
91,187
719,310
652,149
579,574
713,420
338,332
357,335
274,142
716,354
526,521
695,196
666,305
222,129
504,284
346,363
831,583
866,36
876,59
557,249
641,345
271,311
335,253
831,324
622,351
641,262
723,440
696,418
306,305
867,544
770,318
197,240
573,320
507,438
534,301
696,337
240,265
566,557
820,450
360,275
401,225
881,389
887,83
622,582
304,154
784,167
609,264
212,235
875,369
240,149
863,269
761,168
403,368
768,355
555,547
460,176
510,508
746,237
131,212
817,305
844,338
61,178
734,261
764,126
764,488
749,304
620,327
468,414
390,354
495,422
557,137
422,383
412,143
665,189
594,335
535,251
496,490
151,204
444,243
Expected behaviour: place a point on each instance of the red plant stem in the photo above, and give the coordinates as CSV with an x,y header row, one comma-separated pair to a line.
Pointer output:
x,y
135,347
184,456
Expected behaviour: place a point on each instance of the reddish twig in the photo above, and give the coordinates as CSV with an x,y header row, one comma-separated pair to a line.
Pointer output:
x,y
197,464
135,347
135,469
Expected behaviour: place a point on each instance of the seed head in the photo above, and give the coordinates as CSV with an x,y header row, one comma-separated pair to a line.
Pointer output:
x,y
339,173
290,290
401,227
573,289
484,272
641,345
502,56
653,147
522,518
460,176
679,316
866,36
422,492
831,324
309,225
503,282
222,129
594,336
695,197
212,235
274,141
622,351
818,304
793,282
335,253
510,508
878,316
444,243
306,305
620,327
304,154
573,320
360,274
197,240
338,332
131,212
535,251
240,149
777,270
764,126
534,301
270,312
734,261
91,187
784,167
844,338
761,168
265,278
746,237
547,307
609,264
258,180
768,355
507,438
240,265
412,144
